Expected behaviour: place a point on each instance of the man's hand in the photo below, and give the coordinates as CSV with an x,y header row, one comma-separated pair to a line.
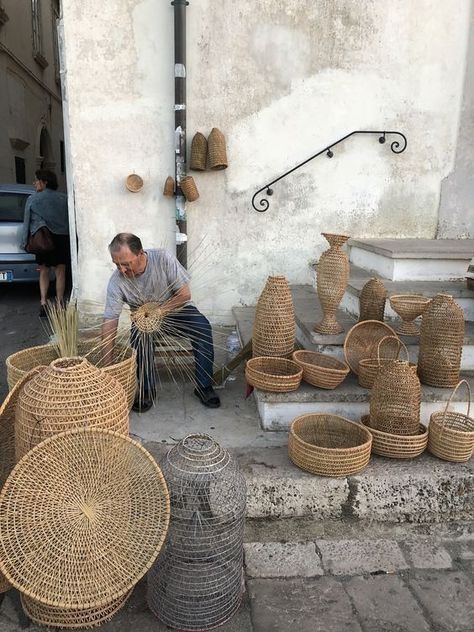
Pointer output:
x,y
182,296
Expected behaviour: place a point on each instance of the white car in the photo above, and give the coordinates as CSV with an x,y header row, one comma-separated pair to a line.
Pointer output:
x,y
16,265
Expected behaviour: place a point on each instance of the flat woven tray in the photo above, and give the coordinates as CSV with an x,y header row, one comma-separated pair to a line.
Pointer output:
x,y
362,340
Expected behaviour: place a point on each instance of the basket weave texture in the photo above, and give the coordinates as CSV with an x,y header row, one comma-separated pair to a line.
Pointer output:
x,y
329,445
189,188
395,399
362,341
82,518
70,393
409,307
134,183
321,370
451,434
123,369
216,150
331,282
277,375
370,367
198,152
397,446
372,300
274,328
441,340
168,189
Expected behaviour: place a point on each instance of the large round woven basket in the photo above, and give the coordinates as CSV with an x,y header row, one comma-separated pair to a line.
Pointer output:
x,y
82,518
277,375
329,445
74,617
123,368
397,446
69,393
451,434
321,370
370,367
362,340
372,300
274,328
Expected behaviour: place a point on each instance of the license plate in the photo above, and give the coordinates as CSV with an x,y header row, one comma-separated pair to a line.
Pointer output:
x,y
6,275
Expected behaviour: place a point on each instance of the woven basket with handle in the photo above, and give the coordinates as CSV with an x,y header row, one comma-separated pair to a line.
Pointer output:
x,y
370,367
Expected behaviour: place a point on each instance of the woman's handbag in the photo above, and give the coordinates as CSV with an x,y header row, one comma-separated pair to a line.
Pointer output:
x,y
40,242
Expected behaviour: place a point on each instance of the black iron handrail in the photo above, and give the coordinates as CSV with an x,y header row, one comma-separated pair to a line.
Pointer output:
x,y
396,146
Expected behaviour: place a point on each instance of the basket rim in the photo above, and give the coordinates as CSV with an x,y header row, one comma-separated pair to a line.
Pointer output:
x,y
364,323
443,414
312,446
251,361
344,370
380,433
410,297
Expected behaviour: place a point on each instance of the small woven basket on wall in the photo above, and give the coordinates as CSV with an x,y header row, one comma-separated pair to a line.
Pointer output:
x,y
274,328
189,188
70,393
168,189
395,399
451,434
441,341
372,300
216,150
198,152
329,445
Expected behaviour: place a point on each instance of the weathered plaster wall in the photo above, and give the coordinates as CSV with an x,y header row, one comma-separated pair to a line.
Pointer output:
x,y
282,79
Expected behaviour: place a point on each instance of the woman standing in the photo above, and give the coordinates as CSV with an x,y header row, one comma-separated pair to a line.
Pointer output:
x,y
48,207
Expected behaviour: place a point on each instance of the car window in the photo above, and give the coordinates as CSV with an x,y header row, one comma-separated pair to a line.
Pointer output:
x,y
12,206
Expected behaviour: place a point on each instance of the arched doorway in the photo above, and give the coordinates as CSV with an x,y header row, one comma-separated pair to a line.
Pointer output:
x,y
46,157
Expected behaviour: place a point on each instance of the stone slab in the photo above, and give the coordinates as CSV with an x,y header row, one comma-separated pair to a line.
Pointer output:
x,y
310,605
354,557
427,555
282,559
385,603
417,248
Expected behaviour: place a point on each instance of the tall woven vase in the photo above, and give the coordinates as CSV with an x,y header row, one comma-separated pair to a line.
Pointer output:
x,y
332,278
372,300
274,327
441,340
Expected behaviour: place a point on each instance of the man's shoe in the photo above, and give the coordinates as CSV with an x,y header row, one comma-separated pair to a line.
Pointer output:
x,y
141,405
207,396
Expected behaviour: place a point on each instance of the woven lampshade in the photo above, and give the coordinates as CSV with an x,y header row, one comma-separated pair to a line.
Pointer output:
x,y
274,328
372,300
196,583
70,393
331,282
82,518
198,152
168,189
216,150
189,188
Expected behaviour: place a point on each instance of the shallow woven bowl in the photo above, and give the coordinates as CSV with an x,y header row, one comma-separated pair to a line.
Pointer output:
x,y
329,445
409,306
397,446
320,369
362,340
278,375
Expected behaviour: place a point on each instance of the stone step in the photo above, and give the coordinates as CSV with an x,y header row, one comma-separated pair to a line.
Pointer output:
x,y
413,259
359,277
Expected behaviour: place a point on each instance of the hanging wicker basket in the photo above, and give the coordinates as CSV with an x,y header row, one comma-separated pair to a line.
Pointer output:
x,y
362,340
168,189
329,445
277,375
370,367
198,152
372,300
321,370
274,328
216,150
397,446
189,188
451,434
134,183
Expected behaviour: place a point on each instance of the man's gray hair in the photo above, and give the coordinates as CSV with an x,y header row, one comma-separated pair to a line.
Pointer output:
x,y
126,239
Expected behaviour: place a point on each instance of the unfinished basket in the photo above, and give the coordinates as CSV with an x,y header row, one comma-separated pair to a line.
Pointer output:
x,y
451,434
216,150
70,393
321,370
277,375
362,340
372,300
397,446
408,307
370,367
395,399
274,327
168,189
329,445
198,152
74,617
189,188
441,341
331,280
82,518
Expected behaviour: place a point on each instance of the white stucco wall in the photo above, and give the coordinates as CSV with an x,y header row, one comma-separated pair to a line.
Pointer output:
x,y
282,79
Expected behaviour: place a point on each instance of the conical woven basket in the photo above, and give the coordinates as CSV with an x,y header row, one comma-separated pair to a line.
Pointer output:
x,y
70,393
274,328
198,152
168,189
441,341
189,188
451,434
331,282
397,446
123,368
216,150
395,399
82,518
329,445
372,300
